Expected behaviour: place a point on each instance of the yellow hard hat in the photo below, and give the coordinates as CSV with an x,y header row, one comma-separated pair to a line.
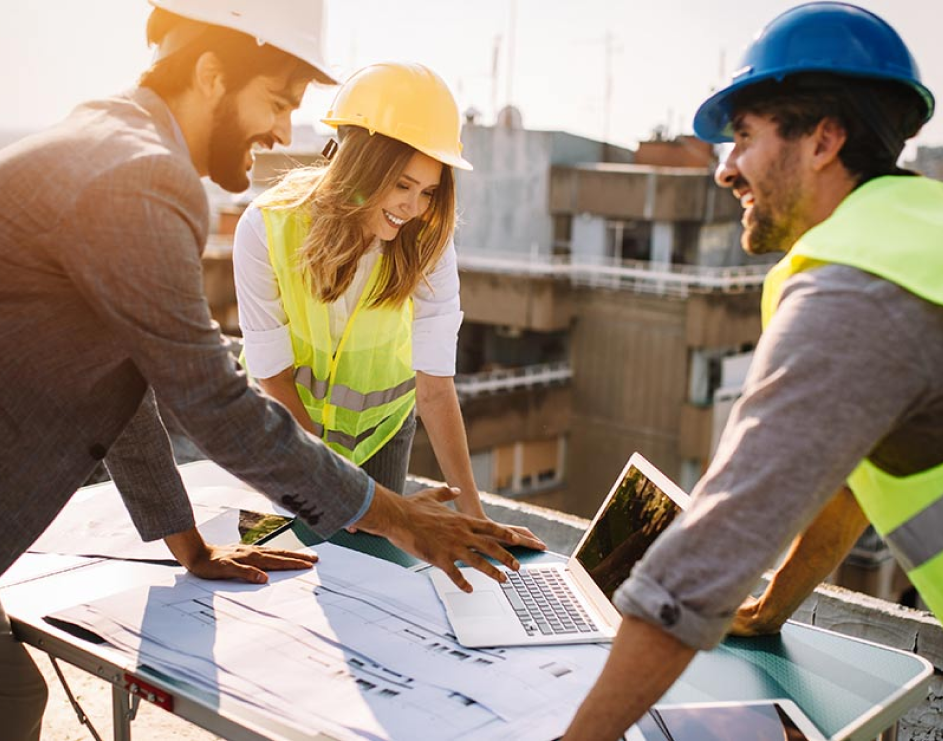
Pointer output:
x,y
407,102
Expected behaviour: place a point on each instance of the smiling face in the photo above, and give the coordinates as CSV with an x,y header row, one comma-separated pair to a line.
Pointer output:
x,y
409,198
256,116
765,172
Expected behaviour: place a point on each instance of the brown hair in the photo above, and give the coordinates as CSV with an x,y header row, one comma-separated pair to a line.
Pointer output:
x,y
241,56
339,195
878,116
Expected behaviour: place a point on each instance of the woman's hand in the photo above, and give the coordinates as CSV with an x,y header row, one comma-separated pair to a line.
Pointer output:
x,y
472,507
526,537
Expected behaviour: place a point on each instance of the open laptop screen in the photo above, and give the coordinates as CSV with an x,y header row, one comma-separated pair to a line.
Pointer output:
x,y
637,513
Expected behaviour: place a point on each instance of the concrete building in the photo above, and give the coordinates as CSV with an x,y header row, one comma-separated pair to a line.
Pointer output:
x,y
608,309
929,161
600,297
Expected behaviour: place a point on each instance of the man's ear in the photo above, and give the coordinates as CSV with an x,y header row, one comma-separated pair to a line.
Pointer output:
x,y
828,139
208,77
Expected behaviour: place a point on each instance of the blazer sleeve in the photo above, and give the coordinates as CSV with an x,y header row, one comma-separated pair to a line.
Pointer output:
x,y
141,463
136,237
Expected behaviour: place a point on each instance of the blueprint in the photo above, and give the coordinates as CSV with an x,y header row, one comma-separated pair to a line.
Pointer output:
x,y
356,647
95,521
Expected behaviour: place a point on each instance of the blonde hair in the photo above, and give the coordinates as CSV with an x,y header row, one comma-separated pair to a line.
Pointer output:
x,y
339,195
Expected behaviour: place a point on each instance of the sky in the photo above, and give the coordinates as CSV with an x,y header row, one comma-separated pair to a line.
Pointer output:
x,y
606,69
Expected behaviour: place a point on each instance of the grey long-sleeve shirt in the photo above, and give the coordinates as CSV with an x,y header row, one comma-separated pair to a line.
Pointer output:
x,y
103,222
848,368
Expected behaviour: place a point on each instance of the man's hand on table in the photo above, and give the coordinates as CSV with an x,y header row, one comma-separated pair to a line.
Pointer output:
x,y
422,526
246,562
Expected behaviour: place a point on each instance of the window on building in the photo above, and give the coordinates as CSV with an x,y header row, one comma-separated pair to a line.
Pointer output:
x,y
714,368
524,467
684,250
484,347
629,240
562,234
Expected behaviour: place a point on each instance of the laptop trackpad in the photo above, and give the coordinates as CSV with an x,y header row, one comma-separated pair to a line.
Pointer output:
x,y
474,605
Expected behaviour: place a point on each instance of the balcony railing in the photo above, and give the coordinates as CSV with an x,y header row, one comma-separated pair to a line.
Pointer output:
x,y
641,276
470,385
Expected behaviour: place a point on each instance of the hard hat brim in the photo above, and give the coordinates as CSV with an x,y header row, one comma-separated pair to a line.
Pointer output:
x,y
712,120
299,44
446,158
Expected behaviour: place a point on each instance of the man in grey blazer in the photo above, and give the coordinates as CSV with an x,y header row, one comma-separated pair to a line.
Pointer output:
x,y
102,314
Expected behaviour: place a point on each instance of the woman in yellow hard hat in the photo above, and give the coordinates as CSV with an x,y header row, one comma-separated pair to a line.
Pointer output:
x,y
347,280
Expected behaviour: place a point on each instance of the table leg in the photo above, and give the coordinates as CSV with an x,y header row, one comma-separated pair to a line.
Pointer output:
x,y
121,713
890,734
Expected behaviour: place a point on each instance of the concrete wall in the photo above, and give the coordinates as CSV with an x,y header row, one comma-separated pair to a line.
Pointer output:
x,y
722,320
503,299
719,244
629,383
503,201
570,149
501,419
631,192
588,239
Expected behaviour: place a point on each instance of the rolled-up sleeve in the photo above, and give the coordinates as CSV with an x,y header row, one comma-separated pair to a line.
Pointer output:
x,y
262,319
437,317
828,380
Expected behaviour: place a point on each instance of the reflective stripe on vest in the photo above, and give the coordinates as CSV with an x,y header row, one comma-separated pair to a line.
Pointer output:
x,y
343,396
304,376
920,538
348,441
889,227
356,402
359,395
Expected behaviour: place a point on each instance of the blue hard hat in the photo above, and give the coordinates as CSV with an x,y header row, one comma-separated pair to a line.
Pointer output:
x,y
836,38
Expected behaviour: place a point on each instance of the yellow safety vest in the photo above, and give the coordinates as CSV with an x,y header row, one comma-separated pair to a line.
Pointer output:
x,y
359,396
891,227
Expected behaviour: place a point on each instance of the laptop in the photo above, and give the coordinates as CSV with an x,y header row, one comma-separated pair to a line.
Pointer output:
x,y
550,603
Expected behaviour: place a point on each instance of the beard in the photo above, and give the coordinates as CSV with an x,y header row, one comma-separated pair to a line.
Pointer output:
x,y
774,222
766,233
229,144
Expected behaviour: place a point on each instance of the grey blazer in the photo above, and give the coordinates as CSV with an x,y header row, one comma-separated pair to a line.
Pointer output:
x,y
102,223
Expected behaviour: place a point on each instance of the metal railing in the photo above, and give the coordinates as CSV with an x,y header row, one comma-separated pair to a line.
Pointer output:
x,y
636,275
470,385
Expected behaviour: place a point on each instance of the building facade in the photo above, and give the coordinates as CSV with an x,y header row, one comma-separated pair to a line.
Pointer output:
x,y
601,297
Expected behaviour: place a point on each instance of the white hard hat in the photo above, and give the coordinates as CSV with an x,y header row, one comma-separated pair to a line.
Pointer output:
x,y
294,26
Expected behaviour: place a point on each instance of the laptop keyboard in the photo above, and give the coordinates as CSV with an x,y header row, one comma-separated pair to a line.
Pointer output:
x,y
544,602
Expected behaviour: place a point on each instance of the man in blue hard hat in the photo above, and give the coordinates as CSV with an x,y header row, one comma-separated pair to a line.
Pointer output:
x,y
841,420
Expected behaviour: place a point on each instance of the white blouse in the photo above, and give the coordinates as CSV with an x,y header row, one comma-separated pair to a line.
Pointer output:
x,y
437,313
